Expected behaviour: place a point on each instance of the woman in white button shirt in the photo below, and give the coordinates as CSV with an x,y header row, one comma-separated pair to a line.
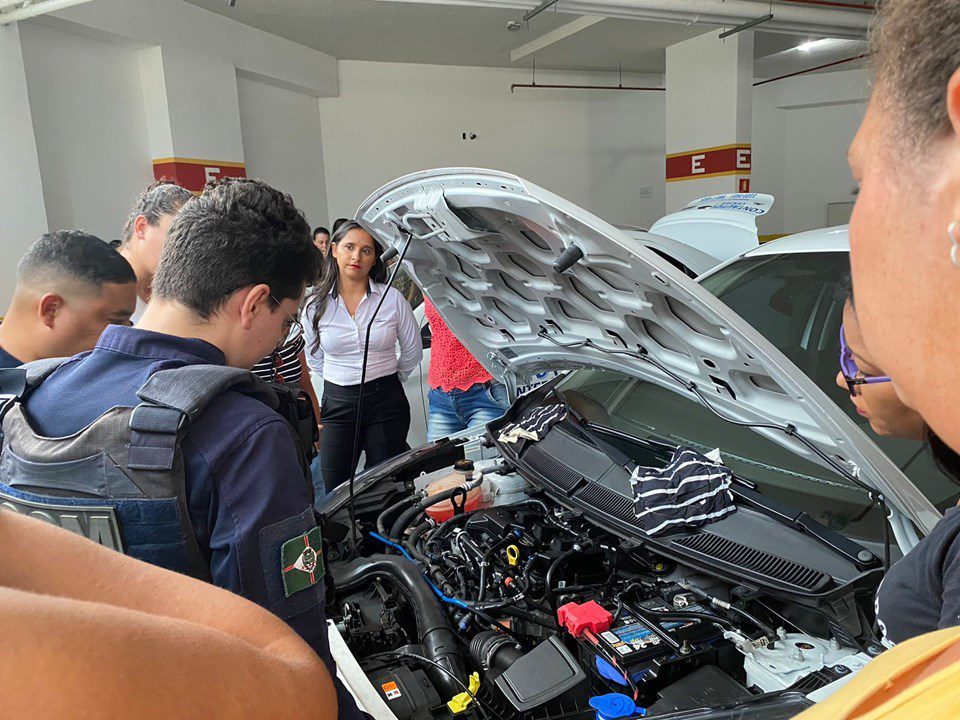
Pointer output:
x,y
336,316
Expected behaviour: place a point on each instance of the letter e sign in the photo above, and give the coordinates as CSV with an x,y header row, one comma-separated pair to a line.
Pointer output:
x,y
743,158
211,173
696,164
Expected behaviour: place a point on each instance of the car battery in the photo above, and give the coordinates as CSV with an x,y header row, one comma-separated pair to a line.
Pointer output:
x,y
640,651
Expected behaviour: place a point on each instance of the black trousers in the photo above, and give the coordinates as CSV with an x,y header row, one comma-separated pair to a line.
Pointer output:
x,y
384,425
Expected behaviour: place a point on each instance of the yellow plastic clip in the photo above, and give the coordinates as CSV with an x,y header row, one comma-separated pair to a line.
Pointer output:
x,y
513,554
459,702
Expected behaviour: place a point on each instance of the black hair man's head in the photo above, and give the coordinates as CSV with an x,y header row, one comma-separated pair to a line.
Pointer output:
x,y
238,233
73,255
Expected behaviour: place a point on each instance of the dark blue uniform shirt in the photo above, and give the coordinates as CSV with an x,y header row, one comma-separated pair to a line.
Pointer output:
x,y
7,360
241,468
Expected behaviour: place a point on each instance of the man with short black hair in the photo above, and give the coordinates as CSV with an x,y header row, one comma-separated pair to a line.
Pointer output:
x,y
226,291
70,286
145,232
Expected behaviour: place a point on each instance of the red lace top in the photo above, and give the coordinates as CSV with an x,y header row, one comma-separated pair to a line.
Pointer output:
x,y
451,364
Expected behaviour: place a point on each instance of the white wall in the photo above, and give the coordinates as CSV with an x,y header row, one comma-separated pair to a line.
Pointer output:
x,y
802,128
21,190
90,125
282,144
593,147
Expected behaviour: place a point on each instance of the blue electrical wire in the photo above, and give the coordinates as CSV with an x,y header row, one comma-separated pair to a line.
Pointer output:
x,y
438,591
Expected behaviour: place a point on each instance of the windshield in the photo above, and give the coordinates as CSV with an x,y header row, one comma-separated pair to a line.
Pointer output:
x,y
796,301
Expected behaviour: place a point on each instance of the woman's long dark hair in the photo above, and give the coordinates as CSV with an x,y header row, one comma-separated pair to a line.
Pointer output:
x,y
316,303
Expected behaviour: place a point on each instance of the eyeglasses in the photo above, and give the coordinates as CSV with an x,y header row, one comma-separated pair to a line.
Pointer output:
x,y
853,374
292,329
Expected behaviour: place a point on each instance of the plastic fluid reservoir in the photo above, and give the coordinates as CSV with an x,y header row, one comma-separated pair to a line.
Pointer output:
x,y
505,489
462,472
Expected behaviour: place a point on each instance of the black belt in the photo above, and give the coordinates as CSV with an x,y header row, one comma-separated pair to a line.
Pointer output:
x,y
372,386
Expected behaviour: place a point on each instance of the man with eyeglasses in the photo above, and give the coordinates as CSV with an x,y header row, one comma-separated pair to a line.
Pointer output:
x,y
169,438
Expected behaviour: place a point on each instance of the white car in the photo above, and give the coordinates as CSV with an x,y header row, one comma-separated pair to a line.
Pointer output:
x,y
554,598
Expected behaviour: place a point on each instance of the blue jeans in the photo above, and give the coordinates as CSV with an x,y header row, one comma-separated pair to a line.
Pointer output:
x,y
462,412
319,489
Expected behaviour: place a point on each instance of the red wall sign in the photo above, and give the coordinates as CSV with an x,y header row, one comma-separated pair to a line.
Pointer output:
x,y
709,162
194,174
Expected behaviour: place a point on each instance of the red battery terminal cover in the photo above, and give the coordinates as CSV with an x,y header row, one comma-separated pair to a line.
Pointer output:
x,y
577,618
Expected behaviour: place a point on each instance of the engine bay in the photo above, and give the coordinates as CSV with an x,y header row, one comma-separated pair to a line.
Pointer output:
x,y
475,590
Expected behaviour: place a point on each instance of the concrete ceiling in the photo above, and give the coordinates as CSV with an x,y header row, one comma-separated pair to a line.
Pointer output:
x,y
478,36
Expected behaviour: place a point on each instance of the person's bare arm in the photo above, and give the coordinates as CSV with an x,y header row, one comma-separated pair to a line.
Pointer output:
x,y
66,658
47,561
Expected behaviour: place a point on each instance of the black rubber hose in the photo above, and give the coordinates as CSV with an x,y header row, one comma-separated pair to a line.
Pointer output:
x,y
716,602
554,566
408,515
436,636
411,542
396,507
485,560
680,615
493,651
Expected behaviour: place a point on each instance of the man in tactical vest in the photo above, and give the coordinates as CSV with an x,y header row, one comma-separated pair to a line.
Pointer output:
x,y
162,444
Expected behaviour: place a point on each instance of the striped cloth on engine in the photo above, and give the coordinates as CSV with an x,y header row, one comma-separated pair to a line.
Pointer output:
x,y
533,425
691,490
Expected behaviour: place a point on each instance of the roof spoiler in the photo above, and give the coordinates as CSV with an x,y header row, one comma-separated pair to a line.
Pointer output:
x,y
722,226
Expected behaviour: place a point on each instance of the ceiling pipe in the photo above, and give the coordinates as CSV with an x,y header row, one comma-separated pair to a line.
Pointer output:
x,y
38,8
745,26
810,70
541,86
866,7
790,18
539,9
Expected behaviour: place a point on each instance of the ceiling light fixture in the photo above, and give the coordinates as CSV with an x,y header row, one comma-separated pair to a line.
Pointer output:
x,y
814,44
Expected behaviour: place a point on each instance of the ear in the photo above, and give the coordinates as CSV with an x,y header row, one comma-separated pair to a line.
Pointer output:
x,y
332,249
140,226
953,141
252,303
48,307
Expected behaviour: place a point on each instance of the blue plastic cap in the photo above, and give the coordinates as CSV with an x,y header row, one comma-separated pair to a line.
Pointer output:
x,y
615,706
609,672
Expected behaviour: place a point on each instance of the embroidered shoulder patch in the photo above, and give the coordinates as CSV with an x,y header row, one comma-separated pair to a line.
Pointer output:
x,y
301,562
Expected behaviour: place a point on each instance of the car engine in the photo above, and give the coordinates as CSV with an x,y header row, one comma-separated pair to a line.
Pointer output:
x,y
475,593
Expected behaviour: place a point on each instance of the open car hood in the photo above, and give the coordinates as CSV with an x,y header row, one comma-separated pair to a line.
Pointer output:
x,y
483,246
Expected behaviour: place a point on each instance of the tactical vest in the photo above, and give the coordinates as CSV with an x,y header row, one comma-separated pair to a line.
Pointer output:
x,y
120,480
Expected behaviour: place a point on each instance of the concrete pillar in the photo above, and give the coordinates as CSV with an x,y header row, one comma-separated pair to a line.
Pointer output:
x,y
21,201
709,107
193,116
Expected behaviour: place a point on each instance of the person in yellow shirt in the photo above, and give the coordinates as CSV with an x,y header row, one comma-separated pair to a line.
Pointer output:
x,y
917,680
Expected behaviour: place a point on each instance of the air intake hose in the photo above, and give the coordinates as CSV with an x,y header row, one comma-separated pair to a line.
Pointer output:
x,y
494,651
436,636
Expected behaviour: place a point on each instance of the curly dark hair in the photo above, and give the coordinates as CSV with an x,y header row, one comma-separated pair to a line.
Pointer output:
x,y
239,232
164,197
916,46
